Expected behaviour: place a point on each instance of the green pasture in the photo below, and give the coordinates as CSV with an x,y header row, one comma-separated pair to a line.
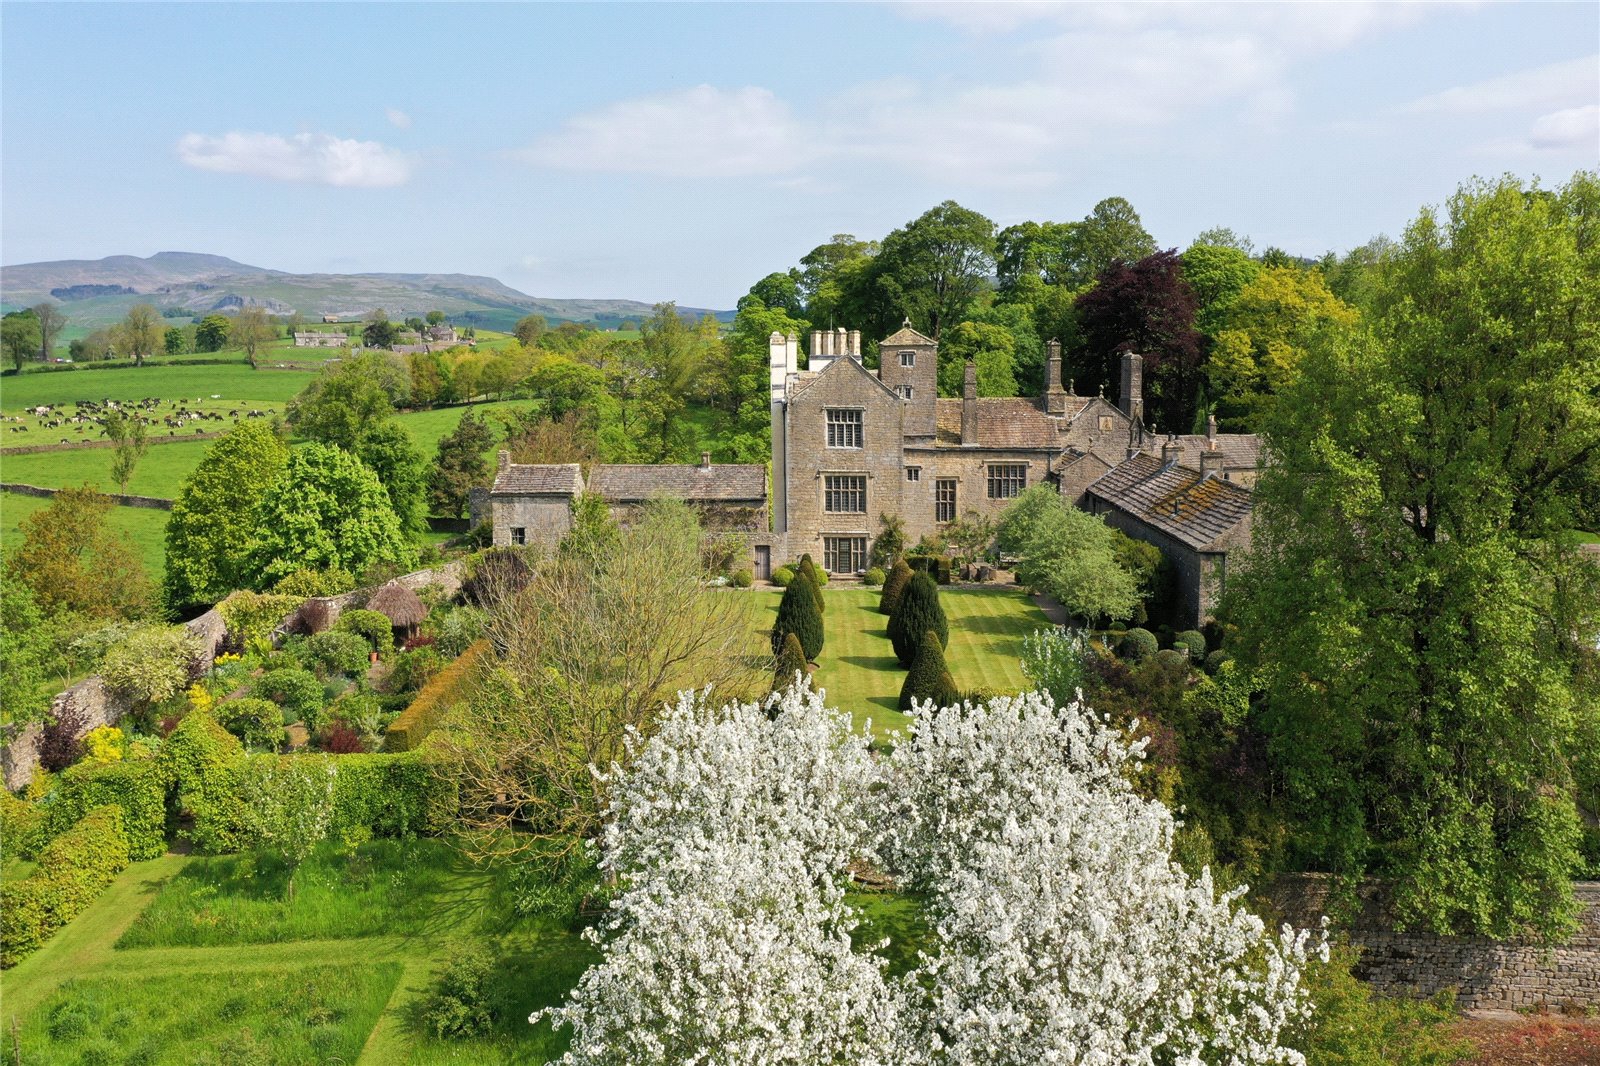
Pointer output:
x,y
146,529
264,982
175,381
858,669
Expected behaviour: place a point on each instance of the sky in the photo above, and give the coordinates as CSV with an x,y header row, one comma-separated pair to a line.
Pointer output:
x,y
682,152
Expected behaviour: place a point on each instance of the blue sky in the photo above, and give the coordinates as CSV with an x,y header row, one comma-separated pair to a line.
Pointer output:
x,y
684,151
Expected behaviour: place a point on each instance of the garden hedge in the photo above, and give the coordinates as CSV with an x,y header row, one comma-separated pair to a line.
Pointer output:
x,y
425,711
203,761
21,825
372,625
137,787
1192,643
386,795
1138,644
73,870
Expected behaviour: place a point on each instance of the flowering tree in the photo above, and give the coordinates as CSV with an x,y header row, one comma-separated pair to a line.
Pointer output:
x,y
731,833
289,808
1063,931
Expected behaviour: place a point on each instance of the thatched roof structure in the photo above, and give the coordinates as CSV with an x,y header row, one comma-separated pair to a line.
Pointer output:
x,y
402,607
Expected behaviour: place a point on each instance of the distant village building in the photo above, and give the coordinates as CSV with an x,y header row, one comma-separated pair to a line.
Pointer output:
x,y
320,339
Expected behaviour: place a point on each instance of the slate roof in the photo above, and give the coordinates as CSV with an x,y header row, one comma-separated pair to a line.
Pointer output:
x,y
1003,422
1176,500
1240,451
904,335
538,479
628,483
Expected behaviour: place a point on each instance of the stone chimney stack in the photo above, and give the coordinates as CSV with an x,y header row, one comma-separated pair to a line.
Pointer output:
x,y
705,460
1170,450
855,343
1131,399
1055,399
969,405
1211,431
502,462
1211,457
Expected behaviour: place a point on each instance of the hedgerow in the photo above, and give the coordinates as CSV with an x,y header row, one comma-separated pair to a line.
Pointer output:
x,y
138,787
203,762
73,870
423,714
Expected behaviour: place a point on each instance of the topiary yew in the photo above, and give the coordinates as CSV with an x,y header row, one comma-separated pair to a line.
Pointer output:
x,y
791,661
919,612
894,586
798,614
1138,644
929,678
807,572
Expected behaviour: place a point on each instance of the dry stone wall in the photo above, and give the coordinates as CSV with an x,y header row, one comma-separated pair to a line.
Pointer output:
x,y
153,503
1485,974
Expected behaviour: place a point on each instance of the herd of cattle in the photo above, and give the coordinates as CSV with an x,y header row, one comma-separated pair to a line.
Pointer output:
x,y
150,412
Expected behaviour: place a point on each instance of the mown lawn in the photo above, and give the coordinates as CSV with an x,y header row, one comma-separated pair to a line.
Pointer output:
x,y
858,669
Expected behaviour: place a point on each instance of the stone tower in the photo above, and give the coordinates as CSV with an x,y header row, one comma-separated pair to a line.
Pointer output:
x,y
1131,398
908,363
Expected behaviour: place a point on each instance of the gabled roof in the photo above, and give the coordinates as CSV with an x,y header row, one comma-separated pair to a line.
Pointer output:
x,y
538,479
904,335
1003,422
807,378
1196,511
631,483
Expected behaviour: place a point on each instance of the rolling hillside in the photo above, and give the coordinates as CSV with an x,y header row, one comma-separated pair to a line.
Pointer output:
x,y
99,292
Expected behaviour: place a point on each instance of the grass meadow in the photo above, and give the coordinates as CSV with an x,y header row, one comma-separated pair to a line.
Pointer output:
x,y
146,529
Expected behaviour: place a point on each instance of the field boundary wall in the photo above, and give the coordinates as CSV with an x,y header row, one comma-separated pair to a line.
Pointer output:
x,y
153,503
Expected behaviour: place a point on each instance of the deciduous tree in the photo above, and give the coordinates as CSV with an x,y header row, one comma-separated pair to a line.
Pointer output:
x,y
72,561
211,333
19,334
1413,599
52,320
129,442
933,268
1068,554
140,333
252,329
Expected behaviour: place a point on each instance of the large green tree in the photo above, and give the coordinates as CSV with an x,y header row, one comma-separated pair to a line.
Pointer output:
x,y
459,465
1068,554
140,333
72,561
52,320
211,333
213,518
19,335
934,268
1423,626
328,512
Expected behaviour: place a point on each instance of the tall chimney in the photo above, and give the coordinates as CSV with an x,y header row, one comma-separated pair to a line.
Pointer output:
x,y
1211,458
814,349
841,342
1170,451
502,462
705,460
855,343
1211,431
1055,400
1131,399
969,405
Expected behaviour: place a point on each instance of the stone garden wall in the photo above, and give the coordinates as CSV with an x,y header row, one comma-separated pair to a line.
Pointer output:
x,y
101,705
154,503
1485,974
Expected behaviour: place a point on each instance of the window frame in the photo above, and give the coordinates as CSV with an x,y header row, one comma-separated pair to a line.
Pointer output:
x,y
856,553
908,358
914,474
940,503
519,536
1010,478
852,419
835,489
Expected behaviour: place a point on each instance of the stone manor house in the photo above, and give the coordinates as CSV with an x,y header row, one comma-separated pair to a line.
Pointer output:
x,y
850,444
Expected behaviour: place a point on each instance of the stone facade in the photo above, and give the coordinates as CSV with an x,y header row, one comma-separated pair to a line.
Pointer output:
x,y
1485,974
851,444
320,339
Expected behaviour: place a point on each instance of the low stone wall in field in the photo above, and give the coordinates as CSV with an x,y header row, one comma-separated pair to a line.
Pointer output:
x,y
1485,974
89,445
153,503
101,705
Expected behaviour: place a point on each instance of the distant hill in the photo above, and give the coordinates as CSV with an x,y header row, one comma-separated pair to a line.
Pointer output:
x,y
99,292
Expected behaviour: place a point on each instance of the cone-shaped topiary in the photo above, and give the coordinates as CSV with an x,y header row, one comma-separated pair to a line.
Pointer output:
x,y
894,586
919,611
808,570
798,614
791,661
928,678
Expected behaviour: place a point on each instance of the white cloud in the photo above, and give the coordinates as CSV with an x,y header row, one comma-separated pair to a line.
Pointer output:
x,y
690,133
397,118
310,157
1547,86
1572,127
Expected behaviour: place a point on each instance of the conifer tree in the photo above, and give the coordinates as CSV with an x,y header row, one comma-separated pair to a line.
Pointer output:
x,y
894,586
808,570
919,612
929,678
797,614
791,661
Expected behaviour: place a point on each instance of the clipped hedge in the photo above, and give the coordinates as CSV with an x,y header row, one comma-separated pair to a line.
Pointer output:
x,y
1192,643
73,870
21,824
783,576
1138,644
203,762
138,787
384,795
373,625
937,567
426,710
